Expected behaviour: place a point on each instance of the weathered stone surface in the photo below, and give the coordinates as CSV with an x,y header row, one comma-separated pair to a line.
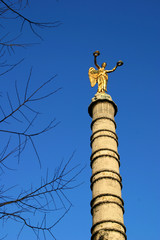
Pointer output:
x,y
106,205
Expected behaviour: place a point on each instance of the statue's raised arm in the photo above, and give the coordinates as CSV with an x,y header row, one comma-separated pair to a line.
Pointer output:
x,y
100,76
96,54
119,63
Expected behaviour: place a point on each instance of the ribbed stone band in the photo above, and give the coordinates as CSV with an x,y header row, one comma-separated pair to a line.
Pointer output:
x,y
106,174
106,198
104,152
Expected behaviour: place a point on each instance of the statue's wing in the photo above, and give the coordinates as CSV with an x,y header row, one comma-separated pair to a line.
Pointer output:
x,y
93,76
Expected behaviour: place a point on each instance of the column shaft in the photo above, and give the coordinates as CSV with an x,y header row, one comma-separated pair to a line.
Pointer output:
x,y
107,204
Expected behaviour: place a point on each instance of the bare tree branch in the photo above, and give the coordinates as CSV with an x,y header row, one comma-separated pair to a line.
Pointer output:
x,y
30,22
40,201
30,208
21,109
11,67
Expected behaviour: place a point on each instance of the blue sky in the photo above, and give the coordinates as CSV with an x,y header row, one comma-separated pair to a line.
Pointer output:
x,y
120,30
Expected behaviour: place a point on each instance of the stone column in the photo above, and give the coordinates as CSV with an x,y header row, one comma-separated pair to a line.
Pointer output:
x,y
107,204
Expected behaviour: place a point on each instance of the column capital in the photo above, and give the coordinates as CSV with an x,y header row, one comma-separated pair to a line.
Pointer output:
x,y
101,97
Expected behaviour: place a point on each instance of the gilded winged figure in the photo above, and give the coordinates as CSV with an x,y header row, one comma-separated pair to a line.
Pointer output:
x,y
100,76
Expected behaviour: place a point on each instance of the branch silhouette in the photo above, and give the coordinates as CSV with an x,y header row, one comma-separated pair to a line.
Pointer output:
x,y
30,207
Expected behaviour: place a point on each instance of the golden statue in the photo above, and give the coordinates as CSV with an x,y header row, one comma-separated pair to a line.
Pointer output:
x,y
100,76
